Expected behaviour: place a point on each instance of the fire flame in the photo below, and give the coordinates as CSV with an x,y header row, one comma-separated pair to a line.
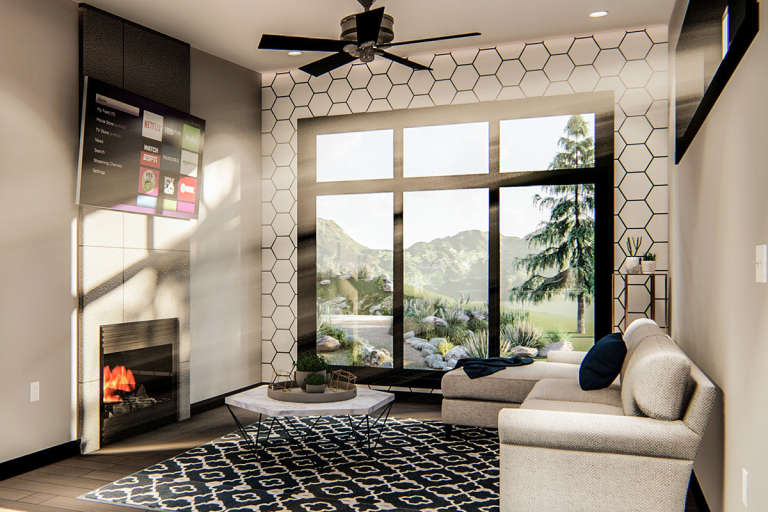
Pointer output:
x,y
118,379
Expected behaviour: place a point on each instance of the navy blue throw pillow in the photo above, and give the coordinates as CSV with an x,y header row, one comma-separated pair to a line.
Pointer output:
x,y
602,363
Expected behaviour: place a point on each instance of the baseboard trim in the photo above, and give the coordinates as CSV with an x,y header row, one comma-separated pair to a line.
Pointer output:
x,y
217,401
698,495
39,459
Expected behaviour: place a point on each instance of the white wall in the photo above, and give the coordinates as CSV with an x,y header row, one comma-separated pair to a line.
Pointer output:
x,y
38,143
719,317
226,247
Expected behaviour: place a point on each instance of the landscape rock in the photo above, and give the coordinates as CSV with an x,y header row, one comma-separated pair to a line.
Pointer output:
x,y
456,353
328,344
409,334
344,277
435,361
434,320
428,348
524,351
388,287
325,282
463,317
565,346
436,341
479,315
387,364
376,357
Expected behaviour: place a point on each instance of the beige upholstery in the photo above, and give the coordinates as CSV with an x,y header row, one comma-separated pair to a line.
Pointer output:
x,y
570,391
563,405
565,356
473,412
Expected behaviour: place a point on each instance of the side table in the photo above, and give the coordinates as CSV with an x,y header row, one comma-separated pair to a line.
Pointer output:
x,y
648,282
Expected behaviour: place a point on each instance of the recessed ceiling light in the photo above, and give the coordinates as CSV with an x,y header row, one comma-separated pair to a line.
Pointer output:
x,y
294,53
598,14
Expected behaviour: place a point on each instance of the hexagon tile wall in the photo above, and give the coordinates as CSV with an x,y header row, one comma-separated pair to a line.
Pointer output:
x,y
631,63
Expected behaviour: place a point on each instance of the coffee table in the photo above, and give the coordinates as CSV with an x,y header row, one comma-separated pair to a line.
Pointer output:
x,y
368,403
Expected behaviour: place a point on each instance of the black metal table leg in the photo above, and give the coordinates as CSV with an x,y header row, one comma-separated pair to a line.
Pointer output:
x,y
244,433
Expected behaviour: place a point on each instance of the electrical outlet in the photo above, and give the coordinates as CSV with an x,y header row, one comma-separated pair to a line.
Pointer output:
x,y
34,391
745,487
761,263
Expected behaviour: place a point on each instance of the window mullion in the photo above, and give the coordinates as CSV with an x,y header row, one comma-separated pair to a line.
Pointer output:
x,y
397,254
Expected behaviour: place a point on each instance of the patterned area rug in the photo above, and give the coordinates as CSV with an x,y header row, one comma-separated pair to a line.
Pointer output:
x,y
414,467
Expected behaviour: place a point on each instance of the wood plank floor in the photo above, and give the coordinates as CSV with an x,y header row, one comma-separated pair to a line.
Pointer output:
x,y
55,488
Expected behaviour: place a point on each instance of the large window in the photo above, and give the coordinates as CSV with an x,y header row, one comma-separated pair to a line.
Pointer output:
x,y
431,235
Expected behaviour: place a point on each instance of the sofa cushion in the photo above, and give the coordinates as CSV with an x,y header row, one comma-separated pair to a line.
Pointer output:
x,y
568,390
566,406
603,362
656,380
508,385
637,331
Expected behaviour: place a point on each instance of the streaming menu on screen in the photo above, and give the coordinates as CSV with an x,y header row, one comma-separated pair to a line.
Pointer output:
x,y
137,155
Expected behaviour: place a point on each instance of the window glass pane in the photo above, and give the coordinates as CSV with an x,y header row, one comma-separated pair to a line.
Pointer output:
x,y
541,143
354,279
445,276
445,150
355,156
547,268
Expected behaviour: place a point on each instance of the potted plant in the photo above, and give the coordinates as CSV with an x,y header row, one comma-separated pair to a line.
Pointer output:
x,y
649,263
315,383
309,364
632,263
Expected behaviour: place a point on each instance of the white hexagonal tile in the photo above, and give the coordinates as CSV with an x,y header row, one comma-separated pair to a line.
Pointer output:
x,y
635,232
584,78
534,83
359,76
267,235
558,45
464,56
420,101
463,97
267,354
267,282
283,108
301,94
267,259
635,102
379,105
658,171
283,271
400,96
618,228
609,62
283,201
558,67
283,294
635,130
442,92
487,88
379,66
635,73
267,328
283,131
420,82
284,316
320,83
399,74
339,90
510,72
343,71
534,56
583,51
658,228
658,114
635,186
658,85
618,145
658,57
611,83
267,120
618,117
658,33
282,178
283,154
283,340
267,305
609,39
487,61
635,45
379,86
300,113
658,199
320,104
635,158
618,200
267,164
359,100
267,190
267,212
338,109
558,88
510,50
282,84
635,214
511,93
618,172
442,66
283,224
657,142
267,97
282,364
464,78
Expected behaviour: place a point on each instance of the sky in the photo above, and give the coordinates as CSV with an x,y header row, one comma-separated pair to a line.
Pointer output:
x,y
525,144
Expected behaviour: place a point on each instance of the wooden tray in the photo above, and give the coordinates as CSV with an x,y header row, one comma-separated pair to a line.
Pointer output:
x,y
298,395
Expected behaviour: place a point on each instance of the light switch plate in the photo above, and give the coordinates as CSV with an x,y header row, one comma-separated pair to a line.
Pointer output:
x,y
745,487
761,263
34,391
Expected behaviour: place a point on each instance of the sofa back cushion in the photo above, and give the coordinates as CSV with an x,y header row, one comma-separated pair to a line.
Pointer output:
x,y
637,331
657,379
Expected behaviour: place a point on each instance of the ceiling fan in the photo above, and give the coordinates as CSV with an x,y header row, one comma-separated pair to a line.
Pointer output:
x,y
363,36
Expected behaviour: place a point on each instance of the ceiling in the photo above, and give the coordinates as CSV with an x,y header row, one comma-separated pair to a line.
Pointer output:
x,y
231,29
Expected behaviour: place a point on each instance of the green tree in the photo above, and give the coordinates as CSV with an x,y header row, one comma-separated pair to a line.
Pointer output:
x,y
566,239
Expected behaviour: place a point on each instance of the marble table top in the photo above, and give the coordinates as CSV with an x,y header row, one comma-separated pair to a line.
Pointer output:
x,y
256,400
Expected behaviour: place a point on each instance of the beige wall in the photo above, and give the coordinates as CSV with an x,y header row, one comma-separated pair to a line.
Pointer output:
x,y
719,214
38,142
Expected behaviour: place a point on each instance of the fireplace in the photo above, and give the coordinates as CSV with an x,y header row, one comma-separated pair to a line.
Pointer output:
x,y
139,377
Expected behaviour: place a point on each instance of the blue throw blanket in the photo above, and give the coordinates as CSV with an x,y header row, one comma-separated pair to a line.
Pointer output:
x,y
476,367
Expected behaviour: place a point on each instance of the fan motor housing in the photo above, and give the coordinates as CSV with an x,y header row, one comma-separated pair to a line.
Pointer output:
x,y
349,29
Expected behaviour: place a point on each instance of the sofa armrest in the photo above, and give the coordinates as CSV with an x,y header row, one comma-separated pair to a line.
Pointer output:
x,y
631,435
565,356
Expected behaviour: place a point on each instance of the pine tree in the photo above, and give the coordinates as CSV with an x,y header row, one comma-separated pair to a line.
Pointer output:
x,y
566,240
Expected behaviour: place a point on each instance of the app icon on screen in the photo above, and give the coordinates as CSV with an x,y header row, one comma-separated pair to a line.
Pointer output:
x,y
149,159
152,126
171,158
172,132
187,189
190,139
188,163
146,201
169,205
148,181
169,185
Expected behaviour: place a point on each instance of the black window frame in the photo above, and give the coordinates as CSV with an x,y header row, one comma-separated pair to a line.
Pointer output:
x,y
308,188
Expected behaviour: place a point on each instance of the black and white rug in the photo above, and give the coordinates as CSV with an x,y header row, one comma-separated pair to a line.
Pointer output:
x,y
414,468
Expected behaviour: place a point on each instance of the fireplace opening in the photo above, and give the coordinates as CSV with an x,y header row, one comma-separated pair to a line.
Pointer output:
x,y
139,379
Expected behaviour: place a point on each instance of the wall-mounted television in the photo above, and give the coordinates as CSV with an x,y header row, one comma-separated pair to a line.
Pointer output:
x,y
137,155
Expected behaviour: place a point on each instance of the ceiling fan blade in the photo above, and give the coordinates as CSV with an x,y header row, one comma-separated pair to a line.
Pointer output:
x,y
327,64
306,44
368,25
441,38
401,60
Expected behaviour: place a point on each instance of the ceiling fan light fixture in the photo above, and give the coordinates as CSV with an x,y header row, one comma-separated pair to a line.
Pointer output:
x,y
598,14
295,53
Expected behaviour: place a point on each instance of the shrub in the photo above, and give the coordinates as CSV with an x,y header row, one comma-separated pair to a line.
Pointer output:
x,y
477,344
311,363
335,332
557,335
356,355
523,333
444,346
315,379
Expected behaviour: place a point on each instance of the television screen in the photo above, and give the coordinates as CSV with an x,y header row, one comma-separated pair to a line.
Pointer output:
x,y
137,155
